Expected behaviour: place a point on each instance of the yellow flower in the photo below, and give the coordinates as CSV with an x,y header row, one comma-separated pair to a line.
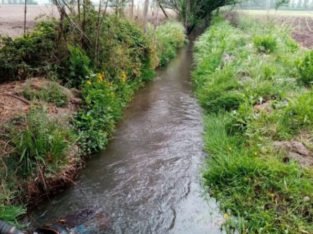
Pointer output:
x,y
100,77
88,82
123,76
226,216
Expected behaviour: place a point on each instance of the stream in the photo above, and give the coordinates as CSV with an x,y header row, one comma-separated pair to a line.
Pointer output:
x,y
148,179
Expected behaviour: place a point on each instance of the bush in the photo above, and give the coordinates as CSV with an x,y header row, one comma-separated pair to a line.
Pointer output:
x,y
51,92
169,37
265,44
305,68
77,69
39,142
30,55
96,121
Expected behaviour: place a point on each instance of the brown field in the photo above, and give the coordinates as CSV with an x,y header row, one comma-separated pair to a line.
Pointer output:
x,y
299,22
12,17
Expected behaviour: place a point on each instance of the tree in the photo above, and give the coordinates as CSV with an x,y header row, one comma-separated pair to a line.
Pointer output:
x,y
191,12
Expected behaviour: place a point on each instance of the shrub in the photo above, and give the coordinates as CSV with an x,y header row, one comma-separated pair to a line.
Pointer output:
x,y
77,68
96,121
29,55
51,92
305,68
265,44
123,48
169,37
39,142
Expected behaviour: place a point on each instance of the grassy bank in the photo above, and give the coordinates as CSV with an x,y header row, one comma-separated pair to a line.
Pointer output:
x,y
254,84
72,109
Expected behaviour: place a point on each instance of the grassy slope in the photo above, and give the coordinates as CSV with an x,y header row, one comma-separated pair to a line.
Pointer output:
x,y
233,76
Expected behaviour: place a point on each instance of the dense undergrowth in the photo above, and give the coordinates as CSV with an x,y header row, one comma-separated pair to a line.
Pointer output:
x,y
106,70
254,85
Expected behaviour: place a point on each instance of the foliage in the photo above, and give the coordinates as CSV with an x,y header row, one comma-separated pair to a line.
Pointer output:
x,y
305,68
129,59
97,120
51,92
32,54
78,67
169,37
39,142
265,44
10,213
193,12
257,189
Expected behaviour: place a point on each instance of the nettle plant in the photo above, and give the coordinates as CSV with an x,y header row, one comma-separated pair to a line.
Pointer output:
x,y
305,68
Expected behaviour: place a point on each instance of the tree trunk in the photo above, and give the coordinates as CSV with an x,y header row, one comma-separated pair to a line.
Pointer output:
x,y
25,16
145,13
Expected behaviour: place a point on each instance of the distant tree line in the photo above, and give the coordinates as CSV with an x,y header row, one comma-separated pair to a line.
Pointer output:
x,y
18,2
285,4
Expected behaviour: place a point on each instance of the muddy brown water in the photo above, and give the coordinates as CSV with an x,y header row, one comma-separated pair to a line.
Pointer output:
x,y
148,179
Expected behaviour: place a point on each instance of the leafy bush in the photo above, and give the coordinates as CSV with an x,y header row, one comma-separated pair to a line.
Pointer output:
x,y
96,121
30,55
123,48
305,68
52,92
265,44
169,37
78,67
38,142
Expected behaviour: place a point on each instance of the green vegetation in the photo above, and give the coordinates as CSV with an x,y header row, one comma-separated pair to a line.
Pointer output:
x,y
105,69
252,100
51,92
265,44
38,142
169,38
305,68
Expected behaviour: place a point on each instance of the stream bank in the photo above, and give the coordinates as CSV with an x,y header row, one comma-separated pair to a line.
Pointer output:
x,y
148,178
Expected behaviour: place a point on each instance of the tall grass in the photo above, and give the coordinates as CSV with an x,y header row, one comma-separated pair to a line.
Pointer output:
x,y
247,85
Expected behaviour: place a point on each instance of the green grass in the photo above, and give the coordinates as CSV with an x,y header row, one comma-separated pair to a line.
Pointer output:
x,y
51,92
258,190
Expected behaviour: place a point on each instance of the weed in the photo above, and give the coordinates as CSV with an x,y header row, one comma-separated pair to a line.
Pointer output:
x,y
39,142
265,44
51,92
305,68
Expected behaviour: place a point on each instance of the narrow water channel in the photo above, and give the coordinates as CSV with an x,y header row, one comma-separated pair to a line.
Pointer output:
x,y
148,178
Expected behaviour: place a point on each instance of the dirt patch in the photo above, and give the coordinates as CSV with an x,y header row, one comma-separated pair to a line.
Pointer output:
x,y
12,105
44,185
295,150
12,18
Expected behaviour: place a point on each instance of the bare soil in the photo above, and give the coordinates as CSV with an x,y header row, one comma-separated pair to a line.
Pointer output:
x,y
300,23
12,18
